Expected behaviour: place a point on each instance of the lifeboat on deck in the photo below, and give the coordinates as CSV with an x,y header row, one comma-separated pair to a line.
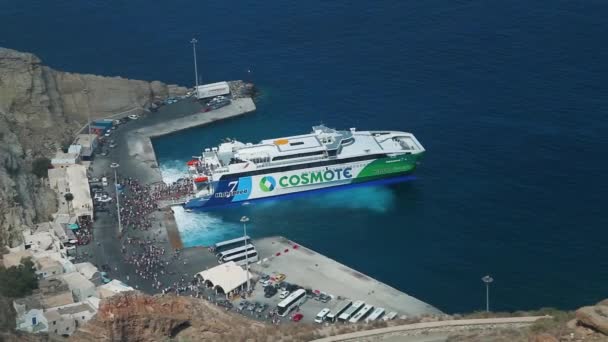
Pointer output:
x,y
201,179
192,162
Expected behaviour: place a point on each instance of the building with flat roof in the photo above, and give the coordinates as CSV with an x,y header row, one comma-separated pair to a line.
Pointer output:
x,y
213,89
81,287
112,288
62,159
14,258
72,179
89,271
48,267
53,227
64,320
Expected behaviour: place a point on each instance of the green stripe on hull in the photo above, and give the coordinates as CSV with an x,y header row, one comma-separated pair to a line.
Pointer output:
x,y
388,167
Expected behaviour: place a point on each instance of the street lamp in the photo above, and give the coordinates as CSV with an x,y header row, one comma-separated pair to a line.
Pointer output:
x,y
86,93
487,280
245,219
194,41
115,166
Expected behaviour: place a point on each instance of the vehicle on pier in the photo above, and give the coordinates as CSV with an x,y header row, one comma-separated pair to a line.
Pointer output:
x,y
346,315
232,252
361,314
291,302
230,244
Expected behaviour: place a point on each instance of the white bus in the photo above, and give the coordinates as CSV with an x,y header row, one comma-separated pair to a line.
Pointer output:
x,y
223,255
242,258
390,316
321,315
294,299
351,311
230,244
376,314
337,310
361,314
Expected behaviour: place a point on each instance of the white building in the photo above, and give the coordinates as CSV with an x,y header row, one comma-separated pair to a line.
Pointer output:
x,y
225,278
64,320
213,89
48,267
62,160
89,271
14,258
72,179
112,288
81,287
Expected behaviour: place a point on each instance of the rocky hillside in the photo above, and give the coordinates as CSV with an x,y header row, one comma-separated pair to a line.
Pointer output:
x,y
40,109
140,318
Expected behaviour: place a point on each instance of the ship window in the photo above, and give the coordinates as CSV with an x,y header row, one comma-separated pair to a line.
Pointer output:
x,y
304,166
299,155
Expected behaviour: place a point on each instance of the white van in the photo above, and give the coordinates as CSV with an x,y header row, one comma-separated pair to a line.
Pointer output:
x,y
321,315
104,181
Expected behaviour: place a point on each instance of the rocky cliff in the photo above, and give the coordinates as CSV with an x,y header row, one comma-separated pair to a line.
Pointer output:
x,y
140,318
40,109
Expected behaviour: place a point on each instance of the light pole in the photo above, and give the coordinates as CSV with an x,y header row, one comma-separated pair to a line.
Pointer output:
x,y
86,93
487,280
245,219
115,166
194,41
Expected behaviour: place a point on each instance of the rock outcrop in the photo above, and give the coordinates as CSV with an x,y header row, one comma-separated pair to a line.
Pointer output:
x,y
41,109
594,317
137,317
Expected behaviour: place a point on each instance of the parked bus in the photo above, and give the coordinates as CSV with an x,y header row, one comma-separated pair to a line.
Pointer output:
x,y
242,258
223,255
351,311
321,315
337,310
376,314
390,316
361,314
294,299
230,244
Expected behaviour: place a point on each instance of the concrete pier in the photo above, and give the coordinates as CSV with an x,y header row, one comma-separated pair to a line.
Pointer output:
x,y
309,269
135,151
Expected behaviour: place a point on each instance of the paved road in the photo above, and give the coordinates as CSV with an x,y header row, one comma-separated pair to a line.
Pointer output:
x,y
463,323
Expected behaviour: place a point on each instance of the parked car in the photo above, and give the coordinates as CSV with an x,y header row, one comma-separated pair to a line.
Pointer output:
x,y
104,181
251,307
297,317
284,294
261,308
133,117
270,291
243,305
279,277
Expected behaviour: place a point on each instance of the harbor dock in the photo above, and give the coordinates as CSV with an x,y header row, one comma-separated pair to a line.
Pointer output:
x,y
312,270
136,153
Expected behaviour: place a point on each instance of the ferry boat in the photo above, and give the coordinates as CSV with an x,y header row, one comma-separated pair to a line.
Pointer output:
x,y
236,172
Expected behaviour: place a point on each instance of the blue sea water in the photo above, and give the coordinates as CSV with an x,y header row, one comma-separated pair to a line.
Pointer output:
x,y
509,98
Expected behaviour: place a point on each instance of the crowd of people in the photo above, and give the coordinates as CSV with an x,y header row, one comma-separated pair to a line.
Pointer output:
x,y
138,201
147,259
84,233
